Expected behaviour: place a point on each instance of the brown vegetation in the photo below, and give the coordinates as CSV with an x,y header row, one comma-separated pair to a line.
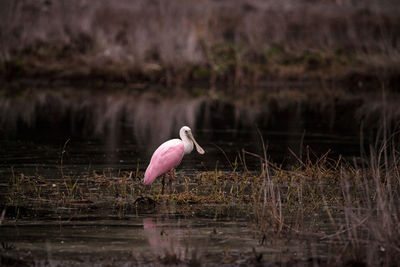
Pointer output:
x,y
361,203
171,42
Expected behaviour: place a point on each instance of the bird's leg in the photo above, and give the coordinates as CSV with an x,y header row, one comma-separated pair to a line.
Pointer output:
x,y
163,185
171,176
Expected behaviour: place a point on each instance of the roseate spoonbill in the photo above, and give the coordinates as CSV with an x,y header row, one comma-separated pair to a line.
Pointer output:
x,y
169,154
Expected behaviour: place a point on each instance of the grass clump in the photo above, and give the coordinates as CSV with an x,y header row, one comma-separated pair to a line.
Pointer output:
x,y
360,203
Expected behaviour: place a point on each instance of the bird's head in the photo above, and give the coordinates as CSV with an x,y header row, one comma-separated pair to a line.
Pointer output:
x,y
187,132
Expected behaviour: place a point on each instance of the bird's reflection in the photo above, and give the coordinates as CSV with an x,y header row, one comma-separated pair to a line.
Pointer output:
x,y
160,241
170,245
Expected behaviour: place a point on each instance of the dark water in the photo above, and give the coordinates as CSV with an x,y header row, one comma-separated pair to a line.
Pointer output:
x,y
206,235
85,156
119,130
113,131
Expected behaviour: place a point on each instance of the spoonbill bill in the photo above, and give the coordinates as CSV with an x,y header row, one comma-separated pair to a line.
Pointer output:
x,y
169,154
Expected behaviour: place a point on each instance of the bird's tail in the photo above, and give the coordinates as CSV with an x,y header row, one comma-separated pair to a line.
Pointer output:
x,y
149,177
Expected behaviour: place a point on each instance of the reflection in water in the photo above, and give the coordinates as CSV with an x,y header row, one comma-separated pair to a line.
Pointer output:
x,y
129,125
161,243
156,238
155,121
91,114
103,238
120,129
171,239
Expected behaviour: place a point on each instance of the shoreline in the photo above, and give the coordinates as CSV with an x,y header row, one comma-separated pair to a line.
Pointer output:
x,y
26,73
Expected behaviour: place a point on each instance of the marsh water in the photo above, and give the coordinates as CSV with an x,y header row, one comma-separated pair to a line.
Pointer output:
x,y
119,130
86,131
208,235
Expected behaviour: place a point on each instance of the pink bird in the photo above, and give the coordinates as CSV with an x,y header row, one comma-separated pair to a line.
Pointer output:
x,y
169,155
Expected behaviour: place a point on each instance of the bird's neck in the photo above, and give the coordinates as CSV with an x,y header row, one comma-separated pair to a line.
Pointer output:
x,y
187,144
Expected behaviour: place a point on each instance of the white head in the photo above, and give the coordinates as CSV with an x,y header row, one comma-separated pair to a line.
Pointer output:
x,y
187,137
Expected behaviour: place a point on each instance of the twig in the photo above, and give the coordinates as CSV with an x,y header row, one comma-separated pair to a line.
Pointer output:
x,y
3,214
345,230
62,157
223,152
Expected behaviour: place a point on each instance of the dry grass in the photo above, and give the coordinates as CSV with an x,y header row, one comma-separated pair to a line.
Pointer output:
x,y
175,41
126,189
361,203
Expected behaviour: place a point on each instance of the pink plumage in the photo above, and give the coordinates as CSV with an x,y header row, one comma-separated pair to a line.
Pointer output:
x,y
166,157
170,154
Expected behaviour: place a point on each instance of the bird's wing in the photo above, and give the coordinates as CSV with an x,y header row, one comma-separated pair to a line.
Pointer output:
x,y
166,157
169,156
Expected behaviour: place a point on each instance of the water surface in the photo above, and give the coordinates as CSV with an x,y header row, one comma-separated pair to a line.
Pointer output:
x,y
79,132
119,130
206,235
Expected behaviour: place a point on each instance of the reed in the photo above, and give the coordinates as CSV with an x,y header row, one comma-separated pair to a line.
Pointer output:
x,y
361,204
